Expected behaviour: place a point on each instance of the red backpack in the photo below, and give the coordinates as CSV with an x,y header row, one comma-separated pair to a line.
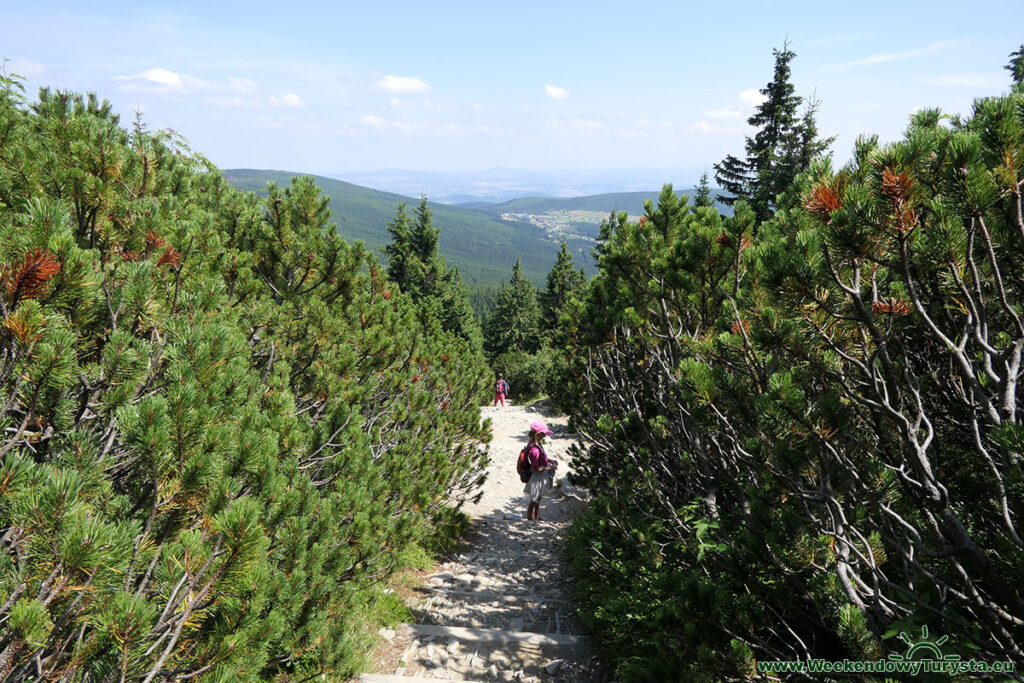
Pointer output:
x,y
523,464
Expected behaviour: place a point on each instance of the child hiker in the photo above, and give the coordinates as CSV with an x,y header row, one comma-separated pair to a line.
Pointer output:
x,y
500,390
542,470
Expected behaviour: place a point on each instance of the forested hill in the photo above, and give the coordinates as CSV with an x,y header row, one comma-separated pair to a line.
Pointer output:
x,y
482,245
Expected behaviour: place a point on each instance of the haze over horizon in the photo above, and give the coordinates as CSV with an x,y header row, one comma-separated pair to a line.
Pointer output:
x,y
554,88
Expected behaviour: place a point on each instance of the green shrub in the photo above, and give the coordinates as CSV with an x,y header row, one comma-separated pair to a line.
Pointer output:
x,y
221,427
813,420
526,373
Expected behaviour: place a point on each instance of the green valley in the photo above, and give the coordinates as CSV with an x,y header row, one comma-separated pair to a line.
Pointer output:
x,y
483,246
481,239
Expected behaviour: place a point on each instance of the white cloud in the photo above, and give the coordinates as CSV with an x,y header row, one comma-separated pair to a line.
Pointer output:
x,y
346,129
884,57
555,93
734,111
288,100
752,97
372,121
403,85
159,78
162,80
162,77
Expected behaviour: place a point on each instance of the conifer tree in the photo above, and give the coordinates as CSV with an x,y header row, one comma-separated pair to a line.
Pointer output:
x,y
416,265
1016,67
703,197
564,282
781,148
428,278
456,312
515,323
399,251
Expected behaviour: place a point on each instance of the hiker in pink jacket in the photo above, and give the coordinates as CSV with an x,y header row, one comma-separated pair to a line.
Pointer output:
x,y
542,470
500,390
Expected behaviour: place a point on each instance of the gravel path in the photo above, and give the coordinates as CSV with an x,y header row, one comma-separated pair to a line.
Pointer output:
x,y
500,609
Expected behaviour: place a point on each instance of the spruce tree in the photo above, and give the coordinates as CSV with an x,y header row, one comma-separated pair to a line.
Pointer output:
x,y
416,265
564,283
428,277
703,197
515,323
399,251
456,313
736,177
1016,68
781,148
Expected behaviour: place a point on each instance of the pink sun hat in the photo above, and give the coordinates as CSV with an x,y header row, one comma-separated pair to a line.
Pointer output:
x,y
540,427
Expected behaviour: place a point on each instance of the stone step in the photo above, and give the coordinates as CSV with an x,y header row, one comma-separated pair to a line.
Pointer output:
x,y
482,654
488,610
392,678
489,596
466,634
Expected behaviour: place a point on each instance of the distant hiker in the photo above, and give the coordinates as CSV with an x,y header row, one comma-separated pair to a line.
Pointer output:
x,y
542,470
500,390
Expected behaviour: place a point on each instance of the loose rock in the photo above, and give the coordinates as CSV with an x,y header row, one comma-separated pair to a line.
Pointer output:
x,y
553,666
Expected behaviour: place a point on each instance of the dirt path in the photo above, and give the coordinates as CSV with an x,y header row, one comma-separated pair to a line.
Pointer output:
x,y
500,609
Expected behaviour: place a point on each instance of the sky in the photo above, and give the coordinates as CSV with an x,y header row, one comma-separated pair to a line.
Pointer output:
x,y
342,87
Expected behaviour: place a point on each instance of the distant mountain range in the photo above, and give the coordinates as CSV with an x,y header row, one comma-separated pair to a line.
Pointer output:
x,y
483,239
502,184
631,202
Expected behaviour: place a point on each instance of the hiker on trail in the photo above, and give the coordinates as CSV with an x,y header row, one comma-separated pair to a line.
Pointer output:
x,y
500,390
542,470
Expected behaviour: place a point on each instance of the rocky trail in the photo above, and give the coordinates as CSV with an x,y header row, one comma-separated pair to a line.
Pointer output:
x,y
500,608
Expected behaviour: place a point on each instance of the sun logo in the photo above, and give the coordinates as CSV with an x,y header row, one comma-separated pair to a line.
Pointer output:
x,y
925,648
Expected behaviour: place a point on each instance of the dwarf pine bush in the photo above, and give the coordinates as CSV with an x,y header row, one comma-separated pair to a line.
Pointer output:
x,y
805,433
219,423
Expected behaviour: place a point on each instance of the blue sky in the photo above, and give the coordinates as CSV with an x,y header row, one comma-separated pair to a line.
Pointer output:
x,y
344,87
